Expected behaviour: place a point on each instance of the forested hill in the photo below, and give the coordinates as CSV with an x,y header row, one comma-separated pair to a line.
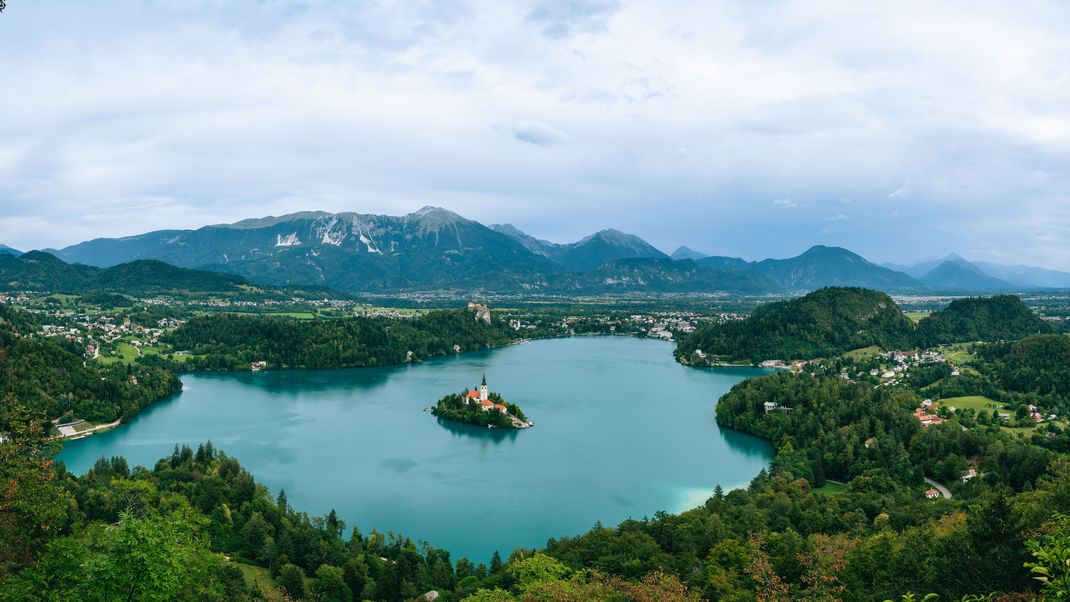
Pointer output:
x,y
826,322
1036,368
233,342
42,271
51,376
999,318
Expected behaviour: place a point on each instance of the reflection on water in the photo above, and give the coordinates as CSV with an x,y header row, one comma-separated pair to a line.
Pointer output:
x,y
461,429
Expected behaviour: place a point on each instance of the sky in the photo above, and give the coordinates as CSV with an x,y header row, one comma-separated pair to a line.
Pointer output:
x,y
901,130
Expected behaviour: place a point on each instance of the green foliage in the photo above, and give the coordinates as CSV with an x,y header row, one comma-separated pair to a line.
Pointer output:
x,y
33,503
539,568
1051,558
999,318
824,323
148,558
1039,364
231,342
454,407
52,377
292,580
331,585
489,595
38,270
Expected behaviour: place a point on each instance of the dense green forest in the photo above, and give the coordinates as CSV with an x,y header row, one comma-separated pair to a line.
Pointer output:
x,y
1035,369
825,322
38,270
233,342
999,318
840,514
52,376
832,321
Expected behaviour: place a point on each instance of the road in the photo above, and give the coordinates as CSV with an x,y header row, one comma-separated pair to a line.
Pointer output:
x,y
937,486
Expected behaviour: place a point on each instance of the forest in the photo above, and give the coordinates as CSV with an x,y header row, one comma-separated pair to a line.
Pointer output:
x,y
998,318
826,322
233,341
839,515
51,376
832,321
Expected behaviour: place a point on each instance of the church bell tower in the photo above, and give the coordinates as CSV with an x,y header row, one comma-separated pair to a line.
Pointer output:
x,y
483,388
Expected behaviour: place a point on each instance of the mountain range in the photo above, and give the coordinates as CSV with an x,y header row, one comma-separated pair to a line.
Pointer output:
x,y
956,274
437,250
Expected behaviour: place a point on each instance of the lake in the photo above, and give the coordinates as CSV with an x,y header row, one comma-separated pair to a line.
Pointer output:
x,y
621,430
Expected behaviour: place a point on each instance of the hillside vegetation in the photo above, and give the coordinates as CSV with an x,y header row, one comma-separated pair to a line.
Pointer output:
x,y
1037,368
826,322
231,341
52,377
42,271
999,318
832,321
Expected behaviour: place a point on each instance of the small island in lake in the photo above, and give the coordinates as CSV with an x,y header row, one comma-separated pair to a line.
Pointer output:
x,y
481,409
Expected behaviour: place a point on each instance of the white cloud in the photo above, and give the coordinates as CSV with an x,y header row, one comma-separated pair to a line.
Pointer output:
x,y
137,115
562,18
535,132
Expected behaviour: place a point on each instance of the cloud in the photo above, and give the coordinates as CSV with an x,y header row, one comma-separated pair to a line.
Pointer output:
x,y
560,19
536,132
900,193
839,217
139,115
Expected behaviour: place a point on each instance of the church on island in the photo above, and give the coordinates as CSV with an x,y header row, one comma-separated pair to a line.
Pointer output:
x,y
481,397
481,407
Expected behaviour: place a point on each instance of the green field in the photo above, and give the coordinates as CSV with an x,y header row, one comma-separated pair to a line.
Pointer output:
x,y
958,356
864,352
1019,430
830,488
300,315
915,316
257,577
976,403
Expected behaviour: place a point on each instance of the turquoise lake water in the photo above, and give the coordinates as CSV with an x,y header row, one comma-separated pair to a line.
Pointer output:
x,y
621,430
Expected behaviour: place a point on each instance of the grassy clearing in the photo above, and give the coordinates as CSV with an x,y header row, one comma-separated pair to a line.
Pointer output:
x,y
1018,430
864,352
830,488
127,352
958,356
915,316
258,577
977,403
300,315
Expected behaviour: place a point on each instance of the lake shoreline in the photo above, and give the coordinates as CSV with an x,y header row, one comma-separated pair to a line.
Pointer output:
x,y
590,394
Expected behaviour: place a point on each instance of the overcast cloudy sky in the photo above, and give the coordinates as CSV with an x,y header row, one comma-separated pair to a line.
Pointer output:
x,y
902,130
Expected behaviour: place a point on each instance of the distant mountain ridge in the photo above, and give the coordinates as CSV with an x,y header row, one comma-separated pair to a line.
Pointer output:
x,y
955,273
437,250
961,275
683,252
819,266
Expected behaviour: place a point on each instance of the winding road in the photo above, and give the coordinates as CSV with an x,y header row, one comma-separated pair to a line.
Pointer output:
x,y
937,486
